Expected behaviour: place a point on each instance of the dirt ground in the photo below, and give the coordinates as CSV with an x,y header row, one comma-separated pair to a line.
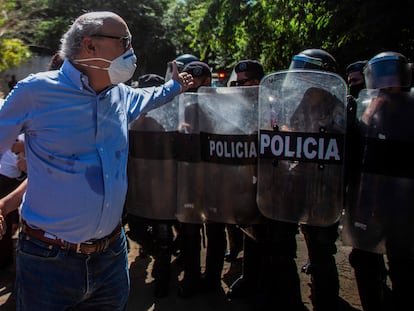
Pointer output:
x,y
141,297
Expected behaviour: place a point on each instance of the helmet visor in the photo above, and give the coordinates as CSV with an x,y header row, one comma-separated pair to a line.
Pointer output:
x,y
387,72
305,62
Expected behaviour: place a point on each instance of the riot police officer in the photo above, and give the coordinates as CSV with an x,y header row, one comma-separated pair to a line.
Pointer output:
x,y
355,77
181,61
320,240
189,234
248,72
321,110
370,268
378,221
154,236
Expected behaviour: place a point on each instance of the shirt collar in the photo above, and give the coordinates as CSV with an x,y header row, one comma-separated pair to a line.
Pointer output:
x,y
79,79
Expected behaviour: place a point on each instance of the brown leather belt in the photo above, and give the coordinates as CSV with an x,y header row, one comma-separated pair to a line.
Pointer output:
x,y
86,248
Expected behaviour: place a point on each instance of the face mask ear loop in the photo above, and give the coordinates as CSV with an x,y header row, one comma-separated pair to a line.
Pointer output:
x,y
92,58
80,62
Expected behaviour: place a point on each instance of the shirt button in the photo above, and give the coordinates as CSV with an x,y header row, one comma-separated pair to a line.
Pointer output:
x,y
106,176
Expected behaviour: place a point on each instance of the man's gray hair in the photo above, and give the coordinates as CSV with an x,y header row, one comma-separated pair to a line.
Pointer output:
x,y
85,25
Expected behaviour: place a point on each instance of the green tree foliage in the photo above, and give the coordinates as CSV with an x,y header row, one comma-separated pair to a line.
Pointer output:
x,y
361,29
225,31
47,20
175,22
12,53
221,32
272,31
290,27
12,50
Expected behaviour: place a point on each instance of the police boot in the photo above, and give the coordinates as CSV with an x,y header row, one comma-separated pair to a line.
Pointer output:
x,y
248,283
235,245
321,246
282,284
216,245
190,254
370,274
163,239
324,285
401,274
161,273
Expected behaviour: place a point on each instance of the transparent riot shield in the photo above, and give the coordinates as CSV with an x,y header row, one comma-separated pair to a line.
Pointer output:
x,y
225,120
190,169
379,213
302,125
152,168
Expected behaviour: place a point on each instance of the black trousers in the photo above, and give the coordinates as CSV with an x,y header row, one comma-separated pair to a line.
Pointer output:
x,y
323,270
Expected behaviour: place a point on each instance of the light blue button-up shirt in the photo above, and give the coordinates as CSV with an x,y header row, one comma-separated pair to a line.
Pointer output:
x,y
76,148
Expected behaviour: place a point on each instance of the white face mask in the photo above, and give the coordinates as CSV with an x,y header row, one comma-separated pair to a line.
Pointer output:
x,y
120,70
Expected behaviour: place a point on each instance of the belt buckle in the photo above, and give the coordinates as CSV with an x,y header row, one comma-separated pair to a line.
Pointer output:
x,y
87,252
78,248
100,246
106,245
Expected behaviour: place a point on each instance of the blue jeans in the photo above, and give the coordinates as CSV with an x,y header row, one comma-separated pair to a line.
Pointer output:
x,y
49,278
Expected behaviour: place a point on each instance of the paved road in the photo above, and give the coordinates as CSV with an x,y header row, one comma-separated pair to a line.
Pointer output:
x,y
141,298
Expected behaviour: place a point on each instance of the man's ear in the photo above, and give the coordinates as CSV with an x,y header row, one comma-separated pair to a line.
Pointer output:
x,y
88,45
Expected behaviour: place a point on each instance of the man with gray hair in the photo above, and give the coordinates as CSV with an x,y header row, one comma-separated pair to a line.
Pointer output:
x,y
72,250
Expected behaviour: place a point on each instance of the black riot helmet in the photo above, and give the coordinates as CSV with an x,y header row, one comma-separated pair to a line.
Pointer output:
x,y
181,60
314,59
184,59
388,69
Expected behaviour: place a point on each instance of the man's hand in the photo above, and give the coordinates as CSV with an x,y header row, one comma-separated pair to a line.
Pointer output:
x,y
3,226
18,146
21,163
185,79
